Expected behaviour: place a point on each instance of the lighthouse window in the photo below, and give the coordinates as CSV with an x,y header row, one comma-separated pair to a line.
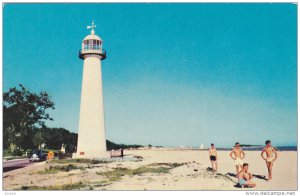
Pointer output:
x,y
94,44
98,44
85,45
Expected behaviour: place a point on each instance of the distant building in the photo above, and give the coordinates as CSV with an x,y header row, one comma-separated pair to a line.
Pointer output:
x,y
202,146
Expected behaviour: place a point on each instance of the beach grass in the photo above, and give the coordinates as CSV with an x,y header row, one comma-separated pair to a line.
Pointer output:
x,y
158,168
210,172
75,186
59,168
88,161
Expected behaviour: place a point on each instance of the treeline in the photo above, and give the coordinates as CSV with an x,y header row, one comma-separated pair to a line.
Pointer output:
x,y
110,145
48,138
54,138
24,117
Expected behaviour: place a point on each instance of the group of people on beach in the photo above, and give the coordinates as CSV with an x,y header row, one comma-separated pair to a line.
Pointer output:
x,y
242,173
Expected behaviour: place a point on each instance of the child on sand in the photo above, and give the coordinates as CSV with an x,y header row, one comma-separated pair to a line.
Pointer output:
x,y
213,157
244,177
238,156
270,151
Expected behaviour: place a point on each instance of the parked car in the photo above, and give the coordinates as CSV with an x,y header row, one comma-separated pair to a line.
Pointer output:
x,y
37,155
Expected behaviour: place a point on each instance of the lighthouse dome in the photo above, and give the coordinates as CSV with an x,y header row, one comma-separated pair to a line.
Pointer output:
x,y
92,37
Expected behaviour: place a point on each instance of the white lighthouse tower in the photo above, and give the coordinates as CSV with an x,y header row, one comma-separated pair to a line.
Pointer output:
x,y
91,135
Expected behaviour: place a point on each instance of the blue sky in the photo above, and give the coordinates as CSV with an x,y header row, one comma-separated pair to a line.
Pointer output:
x,y
175,74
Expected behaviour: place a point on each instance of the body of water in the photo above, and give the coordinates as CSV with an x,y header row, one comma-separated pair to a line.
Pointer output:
x,y
259,148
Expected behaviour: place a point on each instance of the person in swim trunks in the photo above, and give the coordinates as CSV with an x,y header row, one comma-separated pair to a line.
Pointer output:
x,y
213,157
270,151
245,177
238,157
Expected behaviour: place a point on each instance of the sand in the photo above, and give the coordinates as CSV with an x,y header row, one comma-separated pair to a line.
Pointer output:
x,y
192,175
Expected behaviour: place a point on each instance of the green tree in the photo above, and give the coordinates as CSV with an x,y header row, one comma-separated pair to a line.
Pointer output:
x,y
22,111
55,137
38,138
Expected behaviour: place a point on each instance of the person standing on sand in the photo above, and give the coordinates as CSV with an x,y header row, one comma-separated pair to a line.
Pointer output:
x,y
213,157
239,155
269,150
244,177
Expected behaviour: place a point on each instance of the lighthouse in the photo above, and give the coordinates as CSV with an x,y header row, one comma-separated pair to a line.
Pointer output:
x,y
91,134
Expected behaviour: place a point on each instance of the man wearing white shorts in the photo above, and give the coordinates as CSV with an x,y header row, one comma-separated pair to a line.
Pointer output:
x,y
270,151
238,162
238,157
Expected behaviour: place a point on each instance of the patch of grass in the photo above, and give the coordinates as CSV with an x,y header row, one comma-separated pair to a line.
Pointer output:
x,y
88,161
46,171
145,169
172,165
118,172
212,174
101,183
75,186
58,168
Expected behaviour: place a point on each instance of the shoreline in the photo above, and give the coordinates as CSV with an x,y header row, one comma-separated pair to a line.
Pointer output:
x,y
218,149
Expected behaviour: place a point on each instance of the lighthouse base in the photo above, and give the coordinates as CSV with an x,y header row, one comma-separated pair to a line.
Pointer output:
x,y
91,155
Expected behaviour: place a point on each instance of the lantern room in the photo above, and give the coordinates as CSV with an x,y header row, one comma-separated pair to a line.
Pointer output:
x,y
92,45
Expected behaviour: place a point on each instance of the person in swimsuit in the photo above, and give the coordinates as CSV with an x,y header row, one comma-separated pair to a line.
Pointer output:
x,y
270,151
213,157
245,177
239,155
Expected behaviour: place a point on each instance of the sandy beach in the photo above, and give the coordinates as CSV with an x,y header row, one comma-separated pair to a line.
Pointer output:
x,y
157,170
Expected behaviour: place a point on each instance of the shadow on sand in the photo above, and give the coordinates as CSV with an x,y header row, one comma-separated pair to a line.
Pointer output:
x,y
261,177
6,169
209,169
231,174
